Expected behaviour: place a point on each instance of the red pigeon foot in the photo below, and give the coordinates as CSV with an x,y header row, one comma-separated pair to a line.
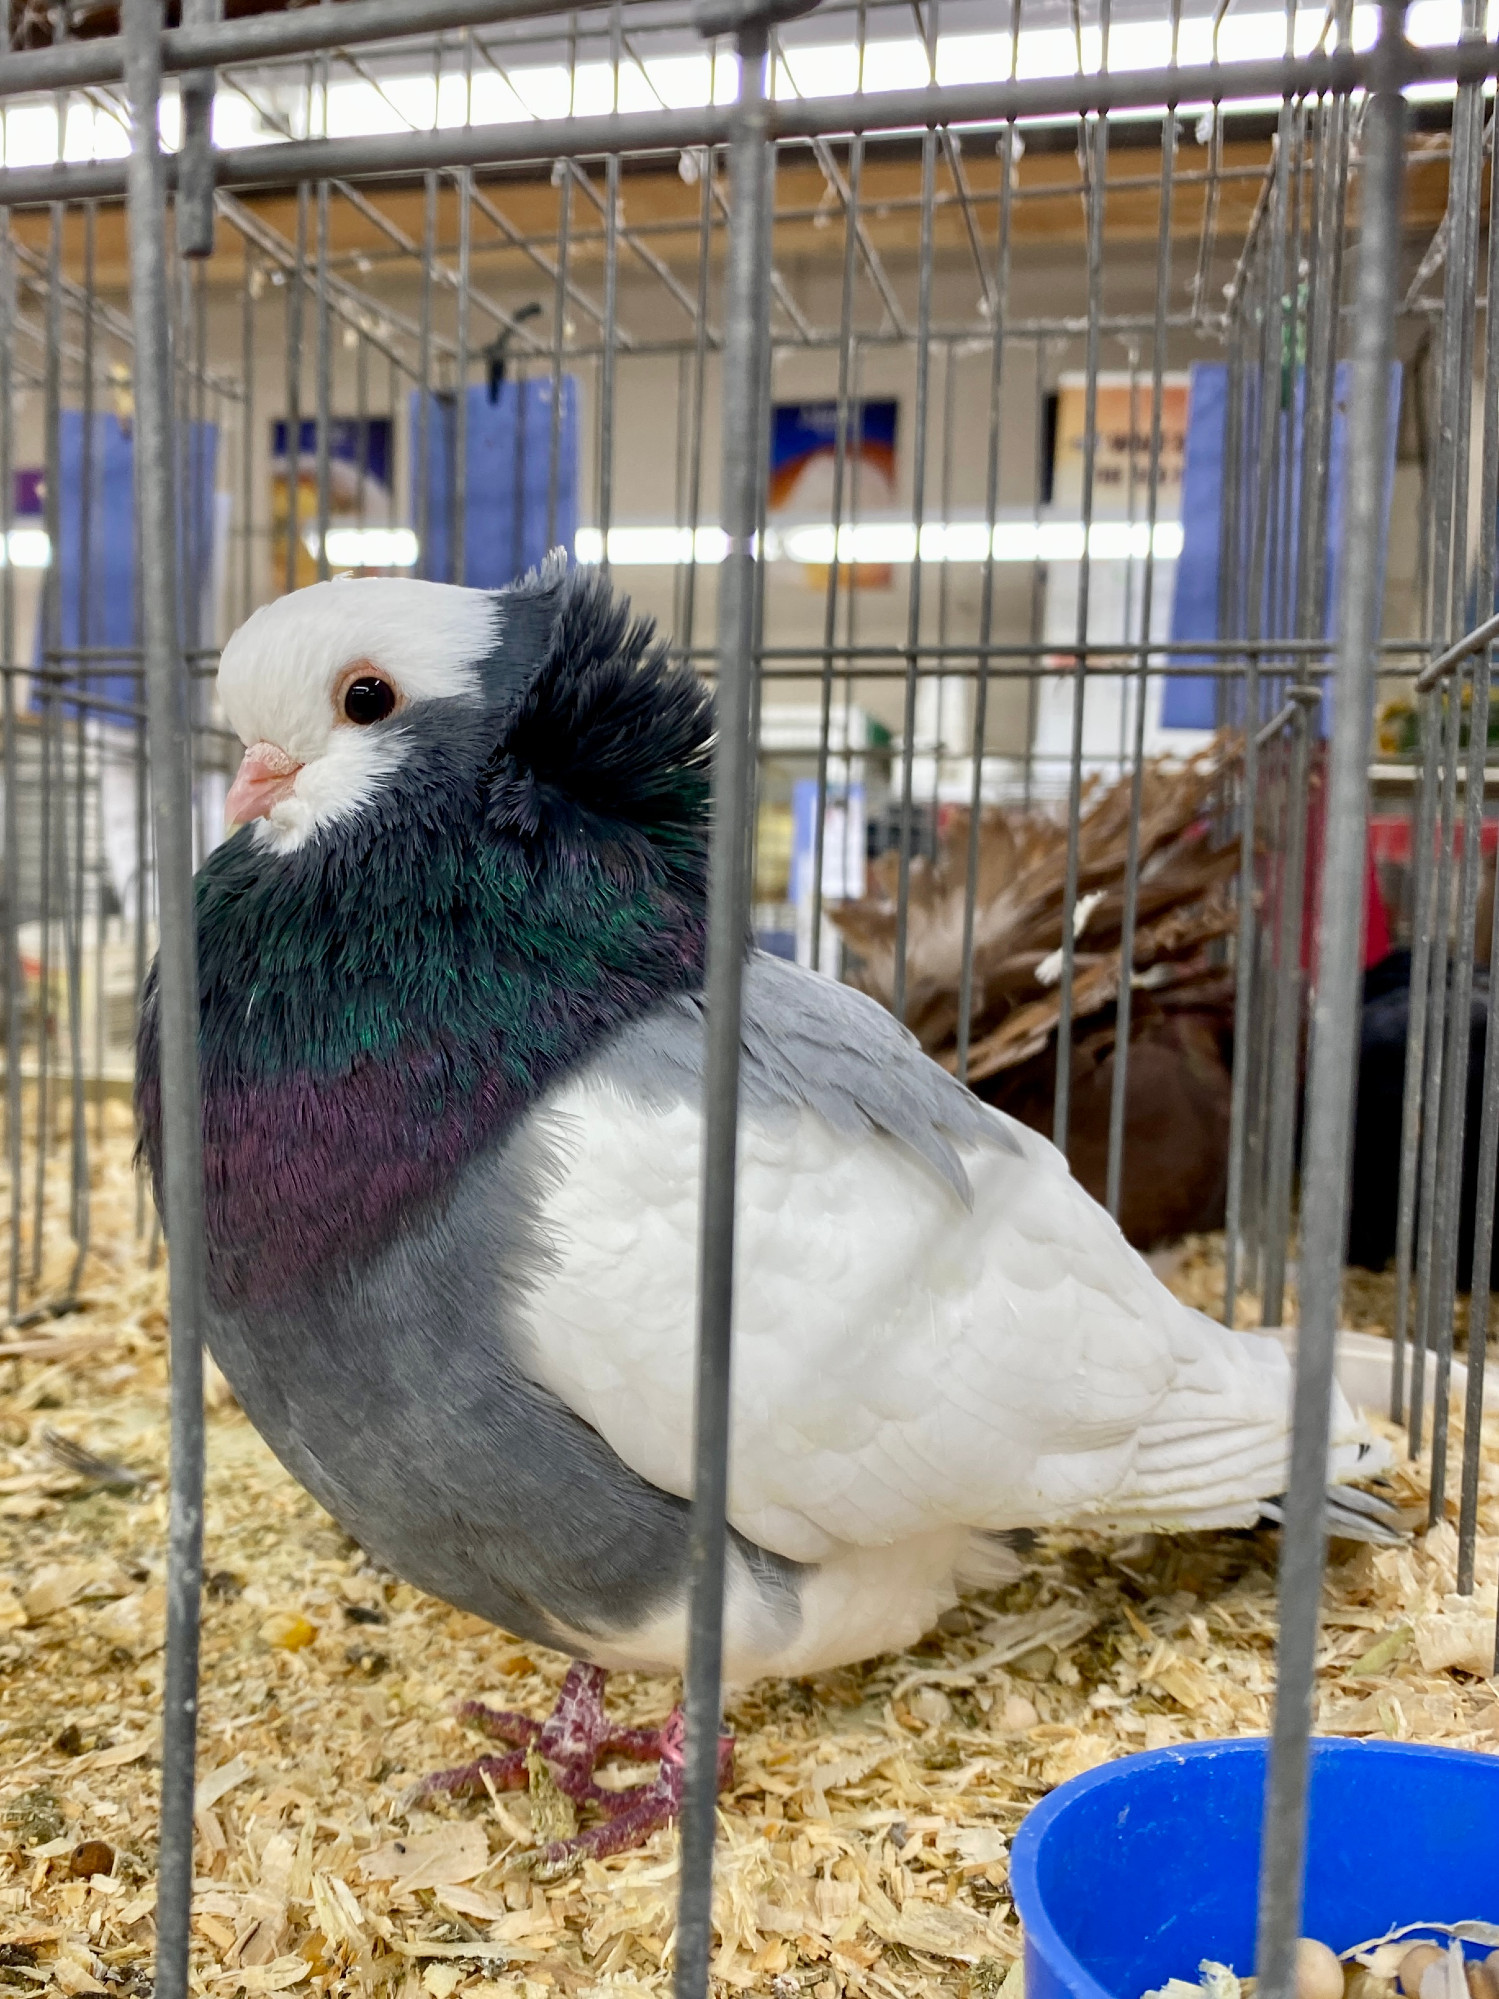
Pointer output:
x,y
572,1739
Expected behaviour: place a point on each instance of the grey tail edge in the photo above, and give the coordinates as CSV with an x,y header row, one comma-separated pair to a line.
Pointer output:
x,y
1353,1514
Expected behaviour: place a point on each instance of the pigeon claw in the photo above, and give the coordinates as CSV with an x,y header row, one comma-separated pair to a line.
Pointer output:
x,y
475,1780
630,1817
565,1749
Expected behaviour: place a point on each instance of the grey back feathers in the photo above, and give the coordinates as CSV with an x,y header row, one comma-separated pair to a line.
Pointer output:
x,y
811,1043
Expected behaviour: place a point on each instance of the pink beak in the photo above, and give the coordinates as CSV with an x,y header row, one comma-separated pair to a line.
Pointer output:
x,y
263,779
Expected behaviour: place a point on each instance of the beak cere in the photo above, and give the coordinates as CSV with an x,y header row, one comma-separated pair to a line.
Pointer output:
x,y
265,776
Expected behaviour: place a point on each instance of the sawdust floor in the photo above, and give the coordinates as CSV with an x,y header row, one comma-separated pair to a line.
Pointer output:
x,y
1194,1270
863,1844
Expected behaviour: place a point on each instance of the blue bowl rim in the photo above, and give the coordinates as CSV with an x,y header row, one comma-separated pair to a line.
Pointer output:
x,y
1036,1925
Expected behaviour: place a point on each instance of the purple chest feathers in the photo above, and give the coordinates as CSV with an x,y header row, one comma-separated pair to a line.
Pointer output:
x,y
303,1174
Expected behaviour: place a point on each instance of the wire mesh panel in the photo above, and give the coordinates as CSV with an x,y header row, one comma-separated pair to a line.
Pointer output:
x,y
1051,436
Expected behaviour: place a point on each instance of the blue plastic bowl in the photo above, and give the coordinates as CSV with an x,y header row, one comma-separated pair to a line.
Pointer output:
x,y
1135,1872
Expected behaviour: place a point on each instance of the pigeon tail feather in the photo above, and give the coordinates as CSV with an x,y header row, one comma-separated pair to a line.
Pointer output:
x,y
1218,1453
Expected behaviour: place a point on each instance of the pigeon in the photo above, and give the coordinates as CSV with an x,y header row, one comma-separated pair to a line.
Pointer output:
x,y
1378,1147
452,1035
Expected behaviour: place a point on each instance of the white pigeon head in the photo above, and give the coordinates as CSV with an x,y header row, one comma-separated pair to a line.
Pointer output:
x,y
318,686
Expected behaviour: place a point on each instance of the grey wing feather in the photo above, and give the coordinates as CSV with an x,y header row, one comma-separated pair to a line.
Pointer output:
x,y
808,1041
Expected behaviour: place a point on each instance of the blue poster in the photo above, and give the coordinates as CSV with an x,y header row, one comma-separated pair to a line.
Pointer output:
x,y
358,451
801,434
359,495
1191,701
96,607
509,474
843,840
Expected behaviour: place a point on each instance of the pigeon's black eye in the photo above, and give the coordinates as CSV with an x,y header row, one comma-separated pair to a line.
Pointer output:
x,y
368,699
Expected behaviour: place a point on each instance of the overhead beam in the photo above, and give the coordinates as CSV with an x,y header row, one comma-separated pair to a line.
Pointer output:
x,y
984,106
266,38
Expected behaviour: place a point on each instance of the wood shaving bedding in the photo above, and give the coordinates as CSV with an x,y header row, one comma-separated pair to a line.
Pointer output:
x,y
863,1845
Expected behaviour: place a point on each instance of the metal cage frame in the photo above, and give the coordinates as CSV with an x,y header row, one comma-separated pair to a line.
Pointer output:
x,y
1328,89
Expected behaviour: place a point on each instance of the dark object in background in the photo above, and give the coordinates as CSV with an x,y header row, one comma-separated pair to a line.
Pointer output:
x,y
35,24
496,356
1374,1192
1184,909
1181,1022
1176,1115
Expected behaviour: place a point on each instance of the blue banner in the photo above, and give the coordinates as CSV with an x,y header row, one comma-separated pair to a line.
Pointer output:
x,y
95,559
1191,701
508,477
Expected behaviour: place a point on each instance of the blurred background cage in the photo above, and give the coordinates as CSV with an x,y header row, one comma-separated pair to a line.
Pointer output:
x,y
1063,483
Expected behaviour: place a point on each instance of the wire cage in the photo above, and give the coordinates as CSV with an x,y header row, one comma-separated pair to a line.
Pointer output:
x,y
1004,407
